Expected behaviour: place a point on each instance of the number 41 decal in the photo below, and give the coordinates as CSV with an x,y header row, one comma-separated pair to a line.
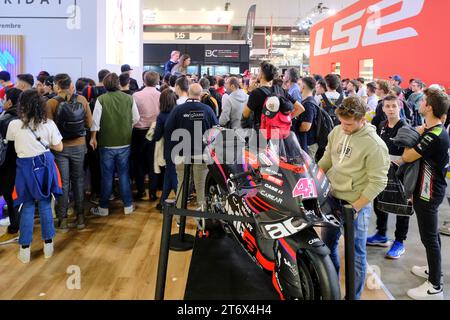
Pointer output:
x,y
305,188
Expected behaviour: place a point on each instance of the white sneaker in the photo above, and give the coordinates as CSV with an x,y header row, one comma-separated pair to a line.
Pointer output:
x,y
48,250
424,273
5,222
100,212
426,292
420,272
24,255
129,210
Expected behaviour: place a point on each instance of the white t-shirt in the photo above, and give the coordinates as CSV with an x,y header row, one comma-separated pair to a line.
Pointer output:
x,y
362,92
26,144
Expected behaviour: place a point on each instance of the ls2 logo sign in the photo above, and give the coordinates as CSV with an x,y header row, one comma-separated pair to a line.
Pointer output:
x,y
367,31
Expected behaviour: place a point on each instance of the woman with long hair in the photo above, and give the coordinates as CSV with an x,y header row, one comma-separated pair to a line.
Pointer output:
x,y
168,101
180,69
37,177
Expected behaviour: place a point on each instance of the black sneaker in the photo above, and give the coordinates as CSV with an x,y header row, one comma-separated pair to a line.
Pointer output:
x,y
153,198
140,196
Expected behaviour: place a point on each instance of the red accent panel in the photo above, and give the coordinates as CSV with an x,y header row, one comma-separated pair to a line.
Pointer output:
x,y
277,287
418,35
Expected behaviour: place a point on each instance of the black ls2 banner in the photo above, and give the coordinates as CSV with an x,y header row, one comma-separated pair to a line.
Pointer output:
x,y
250,28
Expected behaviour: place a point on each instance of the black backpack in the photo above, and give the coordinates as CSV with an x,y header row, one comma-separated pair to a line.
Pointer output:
x,y
70,118
330,107
5,120
324,125
3,150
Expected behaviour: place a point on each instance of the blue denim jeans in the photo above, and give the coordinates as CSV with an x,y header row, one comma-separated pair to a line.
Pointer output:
x,y
170,181
330,237
115,160
27,221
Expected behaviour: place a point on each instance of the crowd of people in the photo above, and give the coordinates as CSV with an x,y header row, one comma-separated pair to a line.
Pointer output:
x,y
62,135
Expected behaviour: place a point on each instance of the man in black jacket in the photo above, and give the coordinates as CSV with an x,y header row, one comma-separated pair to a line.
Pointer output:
x,y
134,87
8,169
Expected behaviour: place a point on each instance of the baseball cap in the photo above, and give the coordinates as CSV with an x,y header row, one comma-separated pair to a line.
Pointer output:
x,y
397,78
125,68
271,107
277,104
5,76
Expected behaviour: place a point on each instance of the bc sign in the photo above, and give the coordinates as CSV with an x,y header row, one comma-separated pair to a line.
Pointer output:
x,y
5,59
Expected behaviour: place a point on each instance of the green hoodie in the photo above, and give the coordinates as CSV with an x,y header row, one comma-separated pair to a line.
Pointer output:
x,y
356,164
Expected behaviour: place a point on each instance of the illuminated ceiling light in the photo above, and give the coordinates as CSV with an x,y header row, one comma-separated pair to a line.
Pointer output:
x,y
332,12
181,10
203,10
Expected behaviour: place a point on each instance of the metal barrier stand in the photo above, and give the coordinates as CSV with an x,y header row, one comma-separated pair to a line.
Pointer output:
x,y
349,239
182,242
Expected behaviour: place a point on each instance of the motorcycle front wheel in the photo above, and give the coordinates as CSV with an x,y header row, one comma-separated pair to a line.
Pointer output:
x,y
318,277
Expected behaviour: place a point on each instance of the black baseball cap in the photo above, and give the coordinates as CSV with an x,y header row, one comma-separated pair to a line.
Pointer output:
x,y
126,68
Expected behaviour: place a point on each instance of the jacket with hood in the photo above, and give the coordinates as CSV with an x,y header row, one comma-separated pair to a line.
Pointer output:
x,y
232,110
356,165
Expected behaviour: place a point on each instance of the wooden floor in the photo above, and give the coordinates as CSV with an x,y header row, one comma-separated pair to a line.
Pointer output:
x,y
117,257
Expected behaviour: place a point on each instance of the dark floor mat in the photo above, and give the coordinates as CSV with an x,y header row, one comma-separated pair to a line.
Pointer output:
x,y
221,270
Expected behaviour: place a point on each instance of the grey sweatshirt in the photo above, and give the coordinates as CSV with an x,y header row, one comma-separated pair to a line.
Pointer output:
x,y
232,110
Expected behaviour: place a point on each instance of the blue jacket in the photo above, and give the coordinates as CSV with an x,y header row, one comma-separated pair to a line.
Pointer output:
x,y
37,179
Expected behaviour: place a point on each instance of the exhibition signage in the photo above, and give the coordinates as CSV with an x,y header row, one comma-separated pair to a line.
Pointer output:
x,y
250,28
397,34
37,9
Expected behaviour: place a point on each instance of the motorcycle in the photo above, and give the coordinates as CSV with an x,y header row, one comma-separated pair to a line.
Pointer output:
x,y
284,191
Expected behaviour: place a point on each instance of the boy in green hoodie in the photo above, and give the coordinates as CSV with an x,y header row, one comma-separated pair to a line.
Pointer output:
x,y
356,162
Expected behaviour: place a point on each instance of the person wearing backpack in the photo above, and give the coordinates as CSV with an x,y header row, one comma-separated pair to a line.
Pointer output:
x,y
72,116
92,93
206,97
332,99
388,130
8,166
216,95
260,95
305,126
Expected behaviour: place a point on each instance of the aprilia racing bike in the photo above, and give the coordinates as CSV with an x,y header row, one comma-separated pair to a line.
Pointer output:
x,y
284,195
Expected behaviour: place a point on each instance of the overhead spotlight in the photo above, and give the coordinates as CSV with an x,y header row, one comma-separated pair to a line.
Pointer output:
x,y
332,12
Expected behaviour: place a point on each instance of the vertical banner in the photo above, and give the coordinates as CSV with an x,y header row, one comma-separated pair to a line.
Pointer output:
x,y
11,53
123,32
250,28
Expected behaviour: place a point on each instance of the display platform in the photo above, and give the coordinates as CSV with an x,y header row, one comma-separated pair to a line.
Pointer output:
x,y
221,270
